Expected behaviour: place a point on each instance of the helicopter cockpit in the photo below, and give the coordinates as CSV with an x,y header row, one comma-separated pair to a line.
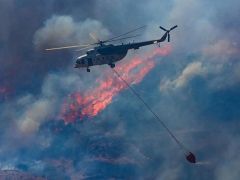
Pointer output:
x,y
82,59
90,52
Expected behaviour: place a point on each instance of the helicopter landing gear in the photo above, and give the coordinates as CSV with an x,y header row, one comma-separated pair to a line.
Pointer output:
x,y
112,65
88,70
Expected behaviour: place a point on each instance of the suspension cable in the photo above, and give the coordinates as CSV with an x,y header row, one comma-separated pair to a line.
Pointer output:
x,y
150,110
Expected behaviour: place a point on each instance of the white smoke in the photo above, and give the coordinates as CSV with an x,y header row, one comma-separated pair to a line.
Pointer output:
x,y
63,31
189,72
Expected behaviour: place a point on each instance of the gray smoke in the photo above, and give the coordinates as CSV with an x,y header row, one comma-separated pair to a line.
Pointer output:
x,y
198,96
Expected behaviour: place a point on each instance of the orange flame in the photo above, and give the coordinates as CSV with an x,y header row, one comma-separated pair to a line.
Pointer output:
x,y
94,101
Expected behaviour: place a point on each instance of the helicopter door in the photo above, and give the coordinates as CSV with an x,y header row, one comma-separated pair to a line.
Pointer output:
x,y
90,62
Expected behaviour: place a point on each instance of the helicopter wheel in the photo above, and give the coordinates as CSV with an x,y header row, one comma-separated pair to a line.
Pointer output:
x,y
88,70
112,65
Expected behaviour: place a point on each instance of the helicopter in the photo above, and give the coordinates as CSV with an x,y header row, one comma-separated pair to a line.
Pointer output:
x,y
109,54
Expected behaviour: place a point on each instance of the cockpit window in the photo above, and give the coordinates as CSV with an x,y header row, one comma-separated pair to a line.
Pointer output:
x,y
91,51
83,56
82,59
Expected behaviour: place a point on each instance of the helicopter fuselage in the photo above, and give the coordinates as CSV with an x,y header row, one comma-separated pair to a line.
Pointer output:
x,y
106,54
109,54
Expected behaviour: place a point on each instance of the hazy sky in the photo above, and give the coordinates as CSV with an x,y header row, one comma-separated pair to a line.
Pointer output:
x,y
194,87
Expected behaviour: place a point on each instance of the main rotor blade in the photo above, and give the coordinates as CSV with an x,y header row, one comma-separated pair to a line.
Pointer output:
x,y
162,28
125,38
66,47
83,48
173,27
125,33
93,36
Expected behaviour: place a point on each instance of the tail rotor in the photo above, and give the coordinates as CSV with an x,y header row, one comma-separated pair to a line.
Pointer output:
x,y
168,31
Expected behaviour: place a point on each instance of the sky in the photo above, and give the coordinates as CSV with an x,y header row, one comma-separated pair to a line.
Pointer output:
x,y
58,122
